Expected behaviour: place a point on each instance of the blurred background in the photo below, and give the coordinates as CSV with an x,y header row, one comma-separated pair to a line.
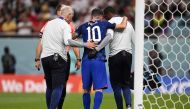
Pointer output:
x,y
167,31
166,50
21,21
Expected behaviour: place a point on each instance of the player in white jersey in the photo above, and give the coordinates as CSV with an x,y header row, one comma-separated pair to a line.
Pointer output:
x,y
121,43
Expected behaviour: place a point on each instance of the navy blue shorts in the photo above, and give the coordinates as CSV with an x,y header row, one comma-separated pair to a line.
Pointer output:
x,y
94,73
55,71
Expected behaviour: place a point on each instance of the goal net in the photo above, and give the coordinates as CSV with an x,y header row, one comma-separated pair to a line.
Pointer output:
x,y
166,66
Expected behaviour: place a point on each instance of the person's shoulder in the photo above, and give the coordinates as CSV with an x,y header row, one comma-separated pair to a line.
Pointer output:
x,y
51,20
103,22
82,25
60,21
11,55
115,19
129,24
3,56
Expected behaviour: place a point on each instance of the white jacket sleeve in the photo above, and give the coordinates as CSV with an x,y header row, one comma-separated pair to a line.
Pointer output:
x,y
75,43
133,37
67,34
106,40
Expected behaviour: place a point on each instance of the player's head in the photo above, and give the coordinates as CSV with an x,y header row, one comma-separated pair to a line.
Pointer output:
x,y
58,9
109,12
67,13
97,14
6,50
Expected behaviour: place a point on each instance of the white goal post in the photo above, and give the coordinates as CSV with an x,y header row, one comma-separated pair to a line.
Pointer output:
x,y
162,54
139,57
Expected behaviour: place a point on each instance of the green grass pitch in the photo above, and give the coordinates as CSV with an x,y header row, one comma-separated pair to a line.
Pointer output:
x,y
74,101
37,101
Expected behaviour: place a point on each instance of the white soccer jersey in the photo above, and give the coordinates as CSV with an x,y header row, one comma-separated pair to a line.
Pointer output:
x,y
55,38
122,39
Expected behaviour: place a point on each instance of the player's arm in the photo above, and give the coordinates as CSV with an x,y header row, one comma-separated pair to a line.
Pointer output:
x,y
77,54
39,45
75,36
133,36
77,33
14,60
76,43
106,40
123,24
39,49
112,25
38,53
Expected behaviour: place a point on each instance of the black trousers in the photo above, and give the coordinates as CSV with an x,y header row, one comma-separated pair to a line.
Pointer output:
x,y
120,68
61,101
68,66
55,69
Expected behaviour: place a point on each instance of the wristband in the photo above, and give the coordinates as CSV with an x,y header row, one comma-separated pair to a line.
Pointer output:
x,y
37,59
78,59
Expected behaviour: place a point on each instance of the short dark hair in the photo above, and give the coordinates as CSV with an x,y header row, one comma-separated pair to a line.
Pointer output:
x,y
6,49
109,9
97,12
58,8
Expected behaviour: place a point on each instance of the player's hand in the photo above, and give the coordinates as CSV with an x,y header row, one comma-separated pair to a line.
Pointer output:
x,y
123,24
125,19
38,65
78,64
90,45
92,54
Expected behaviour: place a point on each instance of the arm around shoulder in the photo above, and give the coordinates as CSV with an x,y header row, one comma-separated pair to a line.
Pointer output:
x,y
123,24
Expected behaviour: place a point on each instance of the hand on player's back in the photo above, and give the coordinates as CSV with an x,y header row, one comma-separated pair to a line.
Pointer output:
x,y
92,54
90,45
125,19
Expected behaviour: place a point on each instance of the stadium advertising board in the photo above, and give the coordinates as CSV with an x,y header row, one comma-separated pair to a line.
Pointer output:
x,y
34,84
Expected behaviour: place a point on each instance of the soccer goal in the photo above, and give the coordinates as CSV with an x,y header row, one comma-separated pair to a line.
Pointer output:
x,y
162,54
